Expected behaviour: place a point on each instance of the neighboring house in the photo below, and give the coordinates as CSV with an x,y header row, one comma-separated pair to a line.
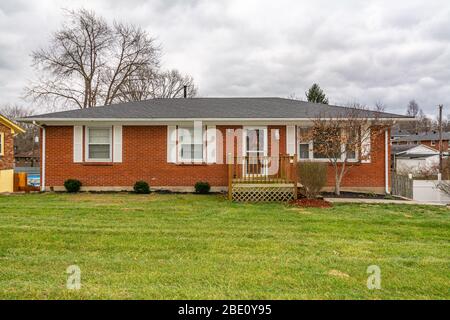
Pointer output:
x,y
430,139
415,159
27,158
397,133
173,143
8,130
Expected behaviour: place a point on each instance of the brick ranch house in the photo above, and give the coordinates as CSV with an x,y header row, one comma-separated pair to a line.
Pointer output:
x,y
8,130
430,139
173,143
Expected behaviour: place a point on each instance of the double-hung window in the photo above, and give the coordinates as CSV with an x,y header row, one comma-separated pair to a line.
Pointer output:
x,y
305,143
318,147
190,144
99,144
352,145
303,150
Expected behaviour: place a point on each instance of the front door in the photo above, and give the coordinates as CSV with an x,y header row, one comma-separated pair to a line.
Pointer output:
x,y
255,147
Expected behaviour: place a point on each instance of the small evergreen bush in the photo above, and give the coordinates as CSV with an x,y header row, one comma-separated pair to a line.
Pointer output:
x,y
141,187
72,185
202,187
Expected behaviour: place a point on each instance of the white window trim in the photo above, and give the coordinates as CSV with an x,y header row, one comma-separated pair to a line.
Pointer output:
x,y
356,159
311,154
86,141
344,156
309,150
179,144
344,152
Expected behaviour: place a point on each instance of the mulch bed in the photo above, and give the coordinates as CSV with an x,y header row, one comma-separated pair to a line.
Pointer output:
x,y
357,195
312,203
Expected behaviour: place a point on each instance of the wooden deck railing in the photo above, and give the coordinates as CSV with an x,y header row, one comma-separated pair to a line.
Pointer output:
x,y
262,169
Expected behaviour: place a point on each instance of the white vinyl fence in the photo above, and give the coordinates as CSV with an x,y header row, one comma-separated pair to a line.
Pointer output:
x,y
419,190
427,191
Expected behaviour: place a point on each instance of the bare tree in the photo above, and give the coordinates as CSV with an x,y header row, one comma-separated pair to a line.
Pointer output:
x,y
423,123
137,52
412,109
88,61
293,96
24,141
344,139
445,124
379,106
150,84
170,84
14,111
444,186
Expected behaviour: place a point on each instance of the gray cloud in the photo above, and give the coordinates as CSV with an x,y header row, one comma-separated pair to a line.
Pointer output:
x,y
365,51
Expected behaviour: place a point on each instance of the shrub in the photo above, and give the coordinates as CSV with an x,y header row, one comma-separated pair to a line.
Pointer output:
x,y
313,177
202,187
72,185
141,187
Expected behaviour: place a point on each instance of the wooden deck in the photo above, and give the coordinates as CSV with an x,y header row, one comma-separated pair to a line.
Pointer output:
x,y
262,179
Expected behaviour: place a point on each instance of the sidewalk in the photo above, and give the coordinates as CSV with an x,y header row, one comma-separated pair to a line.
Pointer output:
x,y
381,201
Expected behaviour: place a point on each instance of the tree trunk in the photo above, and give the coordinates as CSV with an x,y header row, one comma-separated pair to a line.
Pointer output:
x,y
337,188
337,182
338,179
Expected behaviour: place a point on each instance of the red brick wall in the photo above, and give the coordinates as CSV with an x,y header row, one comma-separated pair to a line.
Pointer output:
x,y
367,174
445,144
145,158
7,160
436,145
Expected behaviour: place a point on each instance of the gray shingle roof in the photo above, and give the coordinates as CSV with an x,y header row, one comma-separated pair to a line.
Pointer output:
x,y
398,148
399,133
424,137
209,108
404,151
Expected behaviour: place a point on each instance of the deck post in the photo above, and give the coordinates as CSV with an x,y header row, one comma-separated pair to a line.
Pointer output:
x,y
230,177
295,178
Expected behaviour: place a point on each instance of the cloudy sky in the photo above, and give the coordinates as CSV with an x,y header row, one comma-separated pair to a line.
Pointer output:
x,y
358,51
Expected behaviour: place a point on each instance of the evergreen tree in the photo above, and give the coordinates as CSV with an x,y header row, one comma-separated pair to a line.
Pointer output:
x,y
316,94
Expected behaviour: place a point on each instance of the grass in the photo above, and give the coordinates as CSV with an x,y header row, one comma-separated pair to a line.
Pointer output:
x,y
204,247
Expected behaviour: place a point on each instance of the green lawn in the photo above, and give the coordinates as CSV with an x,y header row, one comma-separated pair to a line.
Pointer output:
x,y
204,247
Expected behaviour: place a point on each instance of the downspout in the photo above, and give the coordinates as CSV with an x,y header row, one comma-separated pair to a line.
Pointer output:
x,y
42,156
386,160
43,161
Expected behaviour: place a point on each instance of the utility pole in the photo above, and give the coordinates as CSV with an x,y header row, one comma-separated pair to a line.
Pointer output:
x,y
440,138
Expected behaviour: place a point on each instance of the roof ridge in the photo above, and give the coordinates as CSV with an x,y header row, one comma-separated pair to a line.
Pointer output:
x,y
211,108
